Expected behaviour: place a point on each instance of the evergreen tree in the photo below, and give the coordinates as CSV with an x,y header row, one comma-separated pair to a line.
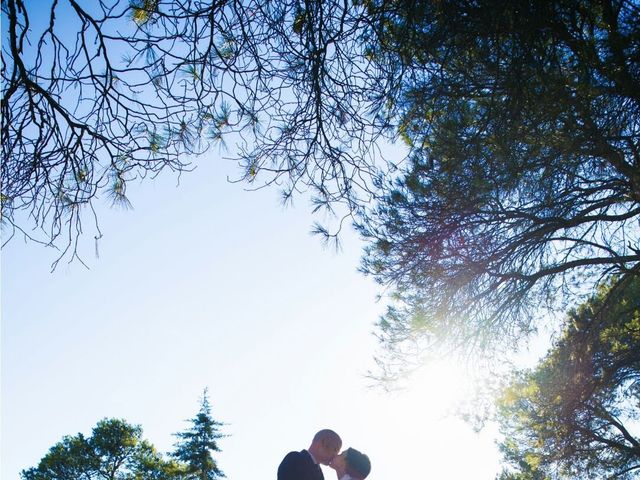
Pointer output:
x,y
522,190
575,415
195,445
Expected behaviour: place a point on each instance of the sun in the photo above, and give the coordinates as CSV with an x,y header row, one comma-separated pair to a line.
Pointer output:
x,y
419,430
439,387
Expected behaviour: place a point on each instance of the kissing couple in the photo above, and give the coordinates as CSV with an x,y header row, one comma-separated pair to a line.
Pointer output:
x,y
305,464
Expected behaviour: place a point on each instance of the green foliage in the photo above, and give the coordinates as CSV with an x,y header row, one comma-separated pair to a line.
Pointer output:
x,y
573,415
143,11
195,445
115,449
299,21
523,183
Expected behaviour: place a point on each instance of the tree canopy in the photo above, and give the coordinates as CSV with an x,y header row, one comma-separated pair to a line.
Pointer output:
x,y
575,415
523,186
521,189
115,449
97,94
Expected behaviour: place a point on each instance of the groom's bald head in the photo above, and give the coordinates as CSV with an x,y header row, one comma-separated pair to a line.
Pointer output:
x,y
327,435
325,445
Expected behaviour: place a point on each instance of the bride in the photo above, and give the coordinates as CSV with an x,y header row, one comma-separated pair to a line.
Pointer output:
x,y
351,465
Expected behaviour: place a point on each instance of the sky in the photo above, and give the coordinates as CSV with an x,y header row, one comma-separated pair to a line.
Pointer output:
x,y
204,284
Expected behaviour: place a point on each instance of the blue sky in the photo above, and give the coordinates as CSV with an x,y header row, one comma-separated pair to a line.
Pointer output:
x,y
206,284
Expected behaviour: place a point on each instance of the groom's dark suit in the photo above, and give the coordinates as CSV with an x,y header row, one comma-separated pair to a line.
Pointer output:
x,y
299,466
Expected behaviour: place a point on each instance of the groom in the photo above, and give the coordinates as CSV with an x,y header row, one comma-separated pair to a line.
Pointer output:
x,y
304,465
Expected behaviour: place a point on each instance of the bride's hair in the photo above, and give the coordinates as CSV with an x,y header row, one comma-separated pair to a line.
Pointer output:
x,y
358,464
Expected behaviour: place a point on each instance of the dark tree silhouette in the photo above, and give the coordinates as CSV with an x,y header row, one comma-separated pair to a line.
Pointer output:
x,y
97,94
523,188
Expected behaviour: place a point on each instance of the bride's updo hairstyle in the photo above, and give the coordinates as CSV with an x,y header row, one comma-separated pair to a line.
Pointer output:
x,y
358,464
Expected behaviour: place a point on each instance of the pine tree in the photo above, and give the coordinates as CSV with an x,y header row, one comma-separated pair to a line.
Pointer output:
x,y
195,445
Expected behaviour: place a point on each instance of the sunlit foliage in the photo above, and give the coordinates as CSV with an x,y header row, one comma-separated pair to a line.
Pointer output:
x,y
576,414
